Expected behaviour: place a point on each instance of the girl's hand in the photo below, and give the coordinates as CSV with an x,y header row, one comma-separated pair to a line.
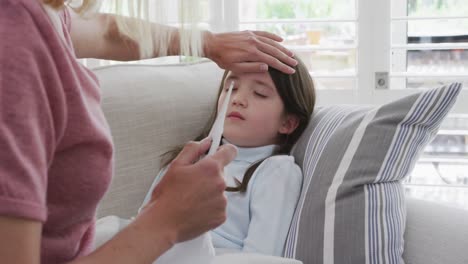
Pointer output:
x,y
191,195
248,51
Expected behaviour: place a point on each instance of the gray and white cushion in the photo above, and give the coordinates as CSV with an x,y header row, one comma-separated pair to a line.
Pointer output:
x,y
354,158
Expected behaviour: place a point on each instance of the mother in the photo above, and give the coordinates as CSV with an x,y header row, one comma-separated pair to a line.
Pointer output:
x,y
56,149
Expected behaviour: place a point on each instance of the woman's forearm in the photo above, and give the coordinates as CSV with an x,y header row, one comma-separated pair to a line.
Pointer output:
x,y
143,241
122,44
103,37
246,51
113,37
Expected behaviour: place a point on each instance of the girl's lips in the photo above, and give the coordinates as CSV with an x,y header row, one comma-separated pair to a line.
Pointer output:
x,y
236,115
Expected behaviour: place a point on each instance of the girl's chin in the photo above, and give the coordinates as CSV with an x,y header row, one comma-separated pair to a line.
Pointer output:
x,y
234,140
239,142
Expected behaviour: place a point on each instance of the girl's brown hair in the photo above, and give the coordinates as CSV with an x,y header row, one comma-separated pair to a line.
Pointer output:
x,y
298,95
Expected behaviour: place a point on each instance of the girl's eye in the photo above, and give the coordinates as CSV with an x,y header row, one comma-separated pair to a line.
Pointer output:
x,y
260,95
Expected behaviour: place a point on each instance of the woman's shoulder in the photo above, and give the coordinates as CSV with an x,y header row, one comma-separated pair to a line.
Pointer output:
x,y
14,13
26,24
21,11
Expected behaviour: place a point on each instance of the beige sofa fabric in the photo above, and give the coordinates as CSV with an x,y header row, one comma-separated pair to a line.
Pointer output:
x,y
435,234
150,109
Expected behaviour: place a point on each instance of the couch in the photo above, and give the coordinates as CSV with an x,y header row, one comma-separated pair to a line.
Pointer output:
x,y
151,108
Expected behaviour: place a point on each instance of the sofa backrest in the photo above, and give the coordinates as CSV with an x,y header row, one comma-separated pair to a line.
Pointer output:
x,y
151,109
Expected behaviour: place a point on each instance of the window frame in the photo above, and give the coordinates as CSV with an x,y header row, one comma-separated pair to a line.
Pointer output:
x,y
375,53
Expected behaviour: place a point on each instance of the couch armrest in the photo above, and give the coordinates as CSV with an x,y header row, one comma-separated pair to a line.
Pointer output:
x,y
435,234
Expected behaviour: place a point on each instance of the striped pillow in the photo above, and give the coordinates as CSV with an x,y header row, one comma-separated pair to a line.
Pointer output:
x,y
352,206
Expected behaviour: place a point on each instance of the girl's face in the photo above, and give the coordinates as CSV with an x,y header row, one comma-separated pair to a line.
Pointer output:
x,y
255,115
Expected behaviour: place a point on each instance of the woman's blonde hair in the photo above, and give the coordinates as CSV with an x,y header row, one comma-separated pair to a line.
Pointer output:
x,y
84,6
140,30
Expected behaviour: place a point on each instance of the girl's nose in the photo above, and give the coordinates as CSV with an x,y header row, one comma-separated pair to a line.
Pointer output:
x,y
238,99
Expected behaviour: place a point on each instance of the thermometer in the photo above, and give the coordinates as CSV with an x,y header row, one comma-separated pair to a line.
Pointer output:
x,y
218,127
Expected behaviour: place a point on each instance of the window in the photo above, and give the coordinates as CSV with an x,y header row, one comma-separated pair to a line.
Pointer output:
x,y
429,48
349,45
371,52
429,42
442,171
321,33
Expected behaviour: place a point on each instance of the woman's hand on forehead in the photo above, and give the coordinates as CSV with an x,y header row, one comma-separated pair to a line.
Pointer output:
x,y
248,51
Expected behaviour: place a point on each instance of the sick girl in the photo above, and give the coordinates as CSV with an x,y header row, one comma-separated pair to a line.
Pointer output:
x,y
266,115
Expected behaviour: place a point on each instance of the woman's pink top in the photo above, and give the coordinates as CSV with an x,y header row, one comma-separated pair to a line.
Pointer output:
x,y
55,145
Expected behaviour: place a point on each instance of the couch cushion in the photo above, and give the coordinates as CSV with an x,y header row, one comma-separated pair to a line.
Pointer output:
x,y
352,207
151,109
435,233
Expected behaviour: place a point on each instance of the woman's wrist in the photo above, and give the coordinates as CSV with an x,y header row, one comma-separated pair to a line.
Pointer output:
x,y
144,240
207,38
153,219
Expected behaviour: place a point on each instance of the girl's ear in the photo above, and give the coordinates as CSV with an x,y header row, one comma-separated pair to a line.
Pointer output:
x,y
290,123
